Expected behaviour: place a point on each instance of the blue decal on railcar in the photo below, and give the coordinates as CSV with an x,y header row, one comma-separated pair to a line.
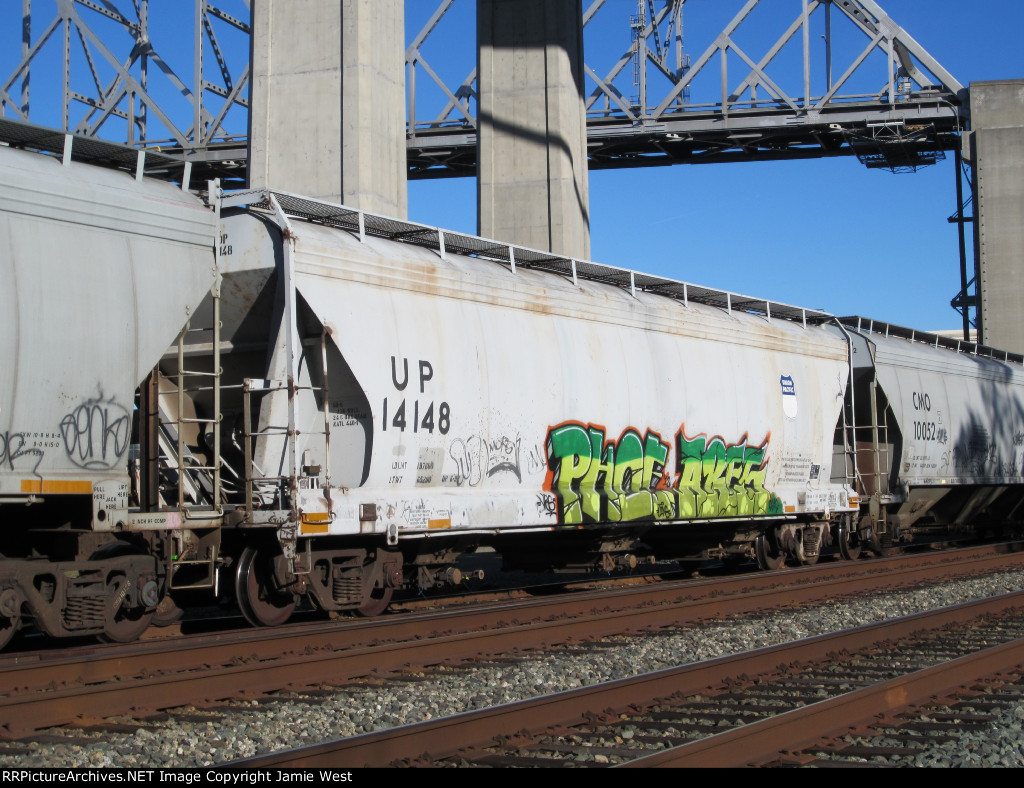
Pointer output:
x,y
789,403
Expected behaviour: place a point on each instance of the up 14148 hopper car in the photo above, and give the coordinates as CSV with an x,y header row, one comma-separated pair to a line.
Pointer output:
x,y
300,404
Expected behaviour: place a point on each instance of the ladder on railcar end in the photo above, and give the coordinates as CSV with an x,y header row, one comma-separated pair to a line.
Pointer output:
x,y
844,450
195,480
193,484
262,490
868,461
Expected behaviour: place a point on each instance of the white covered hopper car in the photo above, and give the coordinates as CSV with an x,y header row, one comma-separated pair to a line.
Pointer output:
x,y
302,404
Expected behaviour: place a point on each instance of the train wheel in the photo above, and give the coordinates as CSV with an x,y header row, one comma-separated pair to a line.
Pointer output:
x,y
849,542
867,537
262,602
8,627
10,615
769,556
375,603
123,623
808,546
387,569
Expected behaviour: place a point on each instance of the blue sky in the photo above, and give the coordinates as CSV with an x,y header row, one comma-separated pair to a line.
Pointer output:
x,y
826,233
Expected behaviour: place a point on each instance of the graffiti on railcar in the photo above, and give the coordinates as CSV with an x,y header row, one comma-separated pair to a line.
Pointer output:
x,y
24,450
599,480
536,462
596,480
96,434
719,479
976,453
478,458
547,505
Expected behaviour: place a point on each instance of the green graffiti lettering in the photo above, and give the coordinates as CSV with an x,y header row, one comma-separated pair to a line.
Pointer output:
x,y
599,480
629,463
689,468
568,452
632,501
722,480
595,485
655,458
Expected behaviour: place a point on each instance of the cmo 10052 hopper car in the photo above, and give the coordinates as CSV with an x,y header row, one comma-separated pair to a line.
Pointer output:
x,y
302,404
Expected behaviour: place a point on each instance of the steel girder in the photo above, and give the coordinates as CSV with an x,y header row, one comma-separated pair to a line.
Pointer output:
x,y
762,87
892,104
115,85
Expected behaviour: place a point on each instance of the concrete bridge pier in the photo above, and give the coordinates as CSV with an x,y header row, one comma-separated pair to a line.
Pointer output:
x,y
327,112
532,183
996,148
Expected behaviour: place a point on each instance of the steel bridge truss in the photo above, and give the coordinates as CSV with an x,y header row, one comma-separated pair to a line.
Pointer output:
x,y
838,78
116,85
871,90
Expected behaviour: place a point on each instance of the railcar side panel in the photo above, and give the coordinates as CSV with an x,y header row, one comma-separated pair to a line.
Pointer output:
x,y
961,416
486,399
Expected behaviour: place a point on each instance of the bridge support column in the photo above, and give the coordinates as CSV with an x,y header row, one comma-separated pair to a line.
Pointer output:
x,y
997,151
328,101
532,185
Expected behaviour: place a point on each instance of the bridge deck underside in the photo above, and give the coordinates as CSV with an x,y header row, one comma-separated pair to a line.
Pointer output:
x,y
905,135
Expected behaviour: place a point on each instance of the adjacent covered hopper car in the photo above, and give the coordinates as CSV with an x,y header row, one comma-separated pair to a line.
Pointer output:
x,y
293,403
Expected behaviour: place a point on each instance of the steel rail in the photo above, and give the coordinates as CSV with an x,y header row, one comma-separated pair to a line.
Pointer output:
x,y
765,740
162,674
694,600
454,736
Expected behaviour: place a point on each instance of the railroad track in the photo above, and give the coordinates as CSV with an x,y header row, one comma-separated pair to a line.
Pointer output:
x,y
86,686
786,705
